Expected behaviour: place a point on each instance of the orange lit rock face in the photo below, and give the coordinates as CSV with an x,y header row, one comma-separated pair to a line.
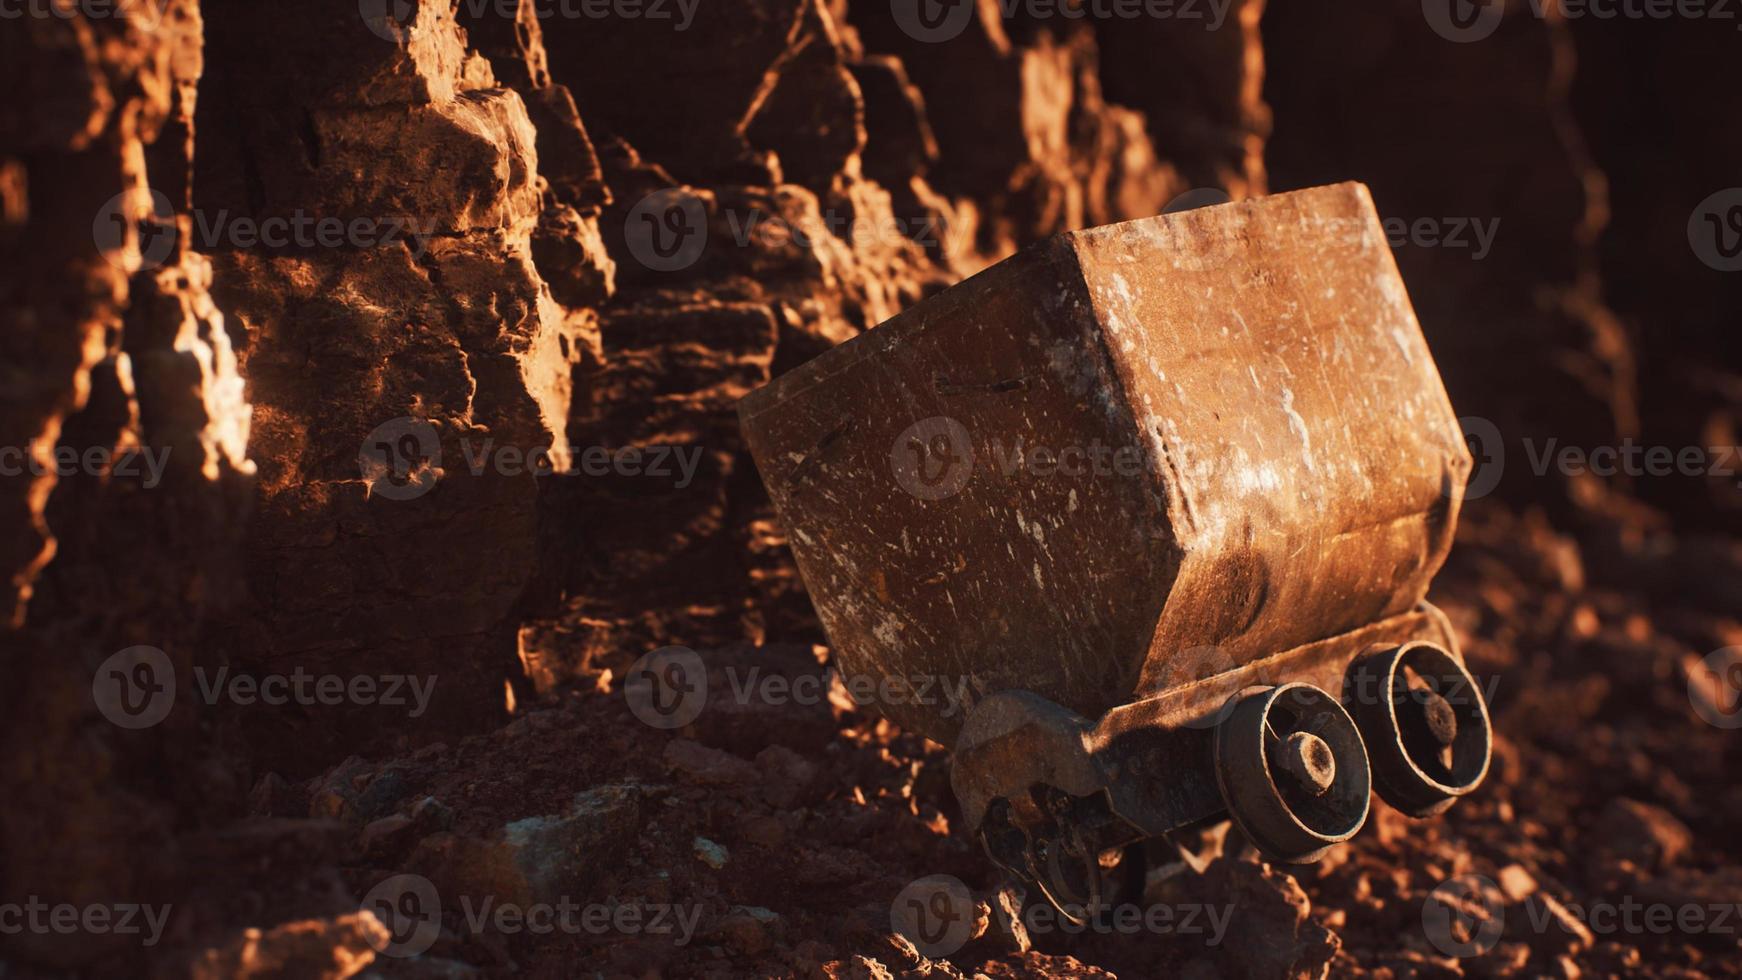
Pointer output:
x,y
122,391
434,315
844,170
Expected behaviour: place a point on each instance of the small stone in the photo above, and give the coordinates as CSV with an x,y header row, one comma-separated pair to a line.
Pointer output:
x,y
432,815
1560,931
1007,908
1517,883
339,947
744,933
270,796
786,775
766,831
1646,834
707,766
541,858
710,853
383,833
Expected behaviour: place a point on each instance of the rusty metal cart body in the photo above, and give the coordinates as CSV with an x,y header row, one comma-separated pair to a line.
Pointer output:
x,y
1164,498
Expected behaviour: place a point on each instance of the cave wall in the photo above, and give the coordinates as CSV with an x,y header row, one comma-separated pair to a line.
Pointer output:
x,y
1482,131
121,383
598,235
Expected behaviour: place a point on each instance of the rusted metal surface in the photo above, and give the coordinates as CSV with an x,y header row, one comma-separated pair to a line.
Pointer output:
x,y
1127,485
1300,464
1426,725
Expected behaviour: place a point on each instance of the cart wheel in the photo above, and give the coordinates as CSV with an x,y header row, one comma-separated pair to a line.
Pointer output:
x,y
1425,723
1292,771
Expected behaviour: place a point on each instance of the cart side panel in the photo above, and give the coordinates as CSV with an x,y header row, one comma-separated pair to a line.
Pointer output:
x,y
1280,377
951,553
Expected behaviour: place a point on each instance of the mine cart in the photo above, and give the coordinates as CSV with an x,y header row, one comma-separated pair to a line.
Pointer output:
x,y
1161,499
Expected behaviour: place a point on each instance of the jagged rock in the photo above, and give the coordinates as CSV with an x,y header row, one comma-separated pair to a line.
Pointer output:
x,y
1278,937
705,766
1196,79
112,351
317,949
449,338
1037,150
356,792
812,115
538,859
1646,834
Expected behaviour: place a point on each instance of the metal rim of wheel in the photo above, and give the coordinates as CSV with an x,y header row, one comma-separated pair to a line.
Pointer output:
x,y
1293,771
1426,725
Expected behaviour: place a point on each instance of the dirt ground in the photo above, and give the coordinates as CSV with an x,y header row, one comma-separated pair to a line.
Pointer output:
x,y
771,835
